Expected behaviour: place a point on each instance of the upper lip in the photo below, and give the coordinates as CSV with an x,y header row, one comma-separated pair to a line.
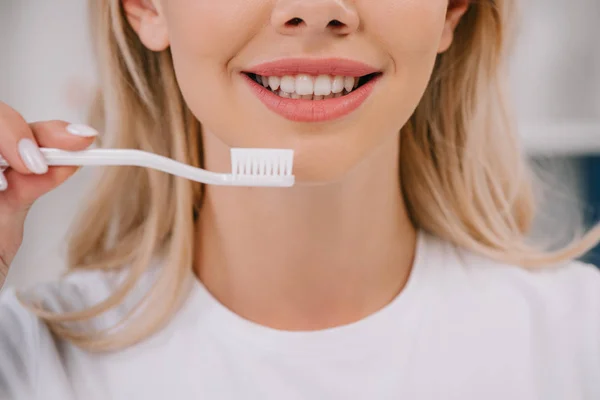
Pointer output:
x,y
324,66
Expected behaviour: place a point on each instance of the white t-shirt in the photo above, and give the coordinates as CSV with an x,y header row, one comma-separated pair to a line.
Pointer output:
x,y
464,328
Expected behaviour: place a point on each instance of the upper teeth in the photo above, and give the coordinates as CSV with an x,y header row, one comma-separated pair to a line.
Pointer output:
x,y
306,85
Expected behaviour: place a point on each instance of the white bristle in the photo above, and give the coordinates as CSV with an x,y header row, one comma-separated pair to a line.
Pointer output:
x,y
247,166
261,166
262,162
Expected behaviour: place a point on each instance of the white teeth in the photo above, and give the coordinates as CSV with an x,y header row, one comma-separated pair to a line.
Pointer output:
x,y
338,84
274,82
305,85
349,83
323,85
310,97
288,84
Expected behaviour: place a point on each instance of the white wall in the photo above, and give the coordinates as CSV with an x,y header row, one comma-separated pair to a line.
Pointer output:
x,y
44,50
556,75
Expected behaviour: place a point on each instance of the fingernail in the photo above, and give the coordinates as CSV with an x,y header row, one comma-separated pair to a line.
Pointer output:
x,y
32,156
82,130
3,182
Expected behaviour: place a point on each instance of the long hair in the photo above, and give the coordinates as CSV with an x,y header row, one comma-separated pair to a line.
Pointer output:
x,y
463,175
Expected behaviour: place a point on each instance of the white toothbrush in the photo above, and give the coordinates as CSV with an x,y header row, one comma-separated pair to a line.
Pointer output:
x,y
249,167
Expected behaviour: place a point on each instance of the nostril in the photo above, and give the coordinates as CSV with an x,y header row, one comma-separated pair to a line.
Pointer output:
x,y
335,24
295,22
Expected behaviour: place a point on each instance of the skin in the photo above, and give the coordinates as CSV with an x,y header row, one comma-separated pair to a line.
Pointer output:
x,y
338,246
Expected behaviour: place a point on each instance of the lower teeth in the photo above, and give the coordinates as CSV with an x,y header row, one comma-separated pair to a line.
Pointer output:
x,y
296,96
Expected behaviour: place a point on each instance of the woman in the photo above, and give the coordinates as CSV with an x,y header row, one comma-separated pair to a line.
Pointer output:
x,y
397,267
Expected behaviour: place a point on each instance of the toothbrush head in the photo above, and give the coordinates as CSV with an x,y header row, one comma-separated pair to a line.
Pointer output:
x,y
262,167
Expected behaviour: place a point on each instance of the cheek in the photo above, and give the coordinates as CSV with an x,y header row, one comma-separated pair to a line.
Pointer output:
x,y
210,28
410,29
205,35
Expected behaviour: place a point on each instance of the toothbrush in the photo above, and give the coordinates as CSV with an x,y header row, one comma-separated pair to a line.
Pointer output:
x,y
249,167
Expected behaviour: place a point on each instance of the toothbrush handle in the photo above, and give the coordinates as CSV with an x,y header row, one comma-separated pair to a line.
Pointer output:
x,y
92,157
127,157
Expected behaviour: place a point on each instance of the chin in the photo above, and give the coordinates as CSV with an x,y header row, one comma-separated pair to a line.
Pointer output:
x,y
328,166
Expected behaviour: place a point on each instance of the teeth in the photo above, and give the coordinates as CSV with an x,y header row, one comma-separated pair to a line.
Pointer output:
x,y
308,87
311,97
305,85
274,82
338,84
288,84
348,83
323,85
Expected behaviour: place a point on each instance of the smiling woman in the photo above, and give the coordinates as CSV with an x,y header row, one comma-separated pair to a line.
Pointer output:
x,y
398,266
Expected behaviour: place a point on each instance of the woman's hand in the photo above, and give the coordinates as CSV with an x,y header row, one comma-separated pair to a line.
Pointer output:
x,y
28,177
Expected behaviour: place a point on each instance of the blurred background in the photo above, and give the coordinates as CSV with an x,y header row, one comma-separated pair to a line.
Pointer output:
x,y
46,72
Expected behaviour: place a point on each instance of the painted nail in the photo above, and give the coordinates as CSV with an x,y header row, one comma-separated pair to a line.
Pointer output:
x,y
32,156
82,130
3,182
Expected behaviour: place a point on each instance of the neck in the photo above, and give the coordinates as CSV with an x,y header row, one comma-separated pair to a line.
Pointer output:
x,y
308,257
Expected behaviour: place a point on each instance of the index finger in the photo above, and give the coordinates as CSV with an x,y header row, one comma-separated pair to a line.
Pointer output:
x,y
62,135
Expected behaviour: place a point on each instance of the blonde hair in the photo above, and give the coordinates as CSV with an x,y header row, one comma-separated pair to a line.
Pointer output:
x,y
462,172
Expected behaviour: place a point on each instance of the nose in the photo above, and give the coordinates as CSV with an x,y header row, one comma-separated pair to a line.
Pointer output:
x,y
293,17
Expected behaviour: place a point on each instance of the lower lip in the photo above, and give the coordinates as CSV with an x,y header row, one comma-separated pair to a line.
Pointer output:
x,y
313,110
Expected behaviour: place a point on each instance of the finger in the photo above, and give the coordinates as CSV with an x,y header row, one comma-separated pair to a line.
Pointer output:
x,y
17,143
26,189
62,135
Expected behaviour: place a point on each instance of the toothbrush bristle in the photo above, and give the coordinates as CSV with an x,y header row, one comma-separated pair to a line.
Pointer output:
x,y
262,162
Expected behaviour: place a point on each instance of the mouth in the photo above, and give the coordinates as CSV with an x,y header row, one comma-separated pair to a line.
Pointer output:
x,y
312,90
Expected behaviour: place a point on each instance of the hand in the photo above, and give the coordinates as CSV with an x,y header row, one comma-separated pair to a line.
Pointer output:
x,y
28,177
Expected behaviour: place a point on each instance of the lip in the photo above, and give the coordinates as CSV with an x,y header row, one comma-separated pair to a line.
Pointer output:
x,y
328,66
299,110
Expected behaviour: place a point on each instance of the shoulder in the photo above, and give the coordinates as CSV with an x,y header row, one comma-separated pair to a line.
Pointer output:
x,y
22,338
559,305
22,330
20,327
73,292
570,285
82,289
31,357
568,293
